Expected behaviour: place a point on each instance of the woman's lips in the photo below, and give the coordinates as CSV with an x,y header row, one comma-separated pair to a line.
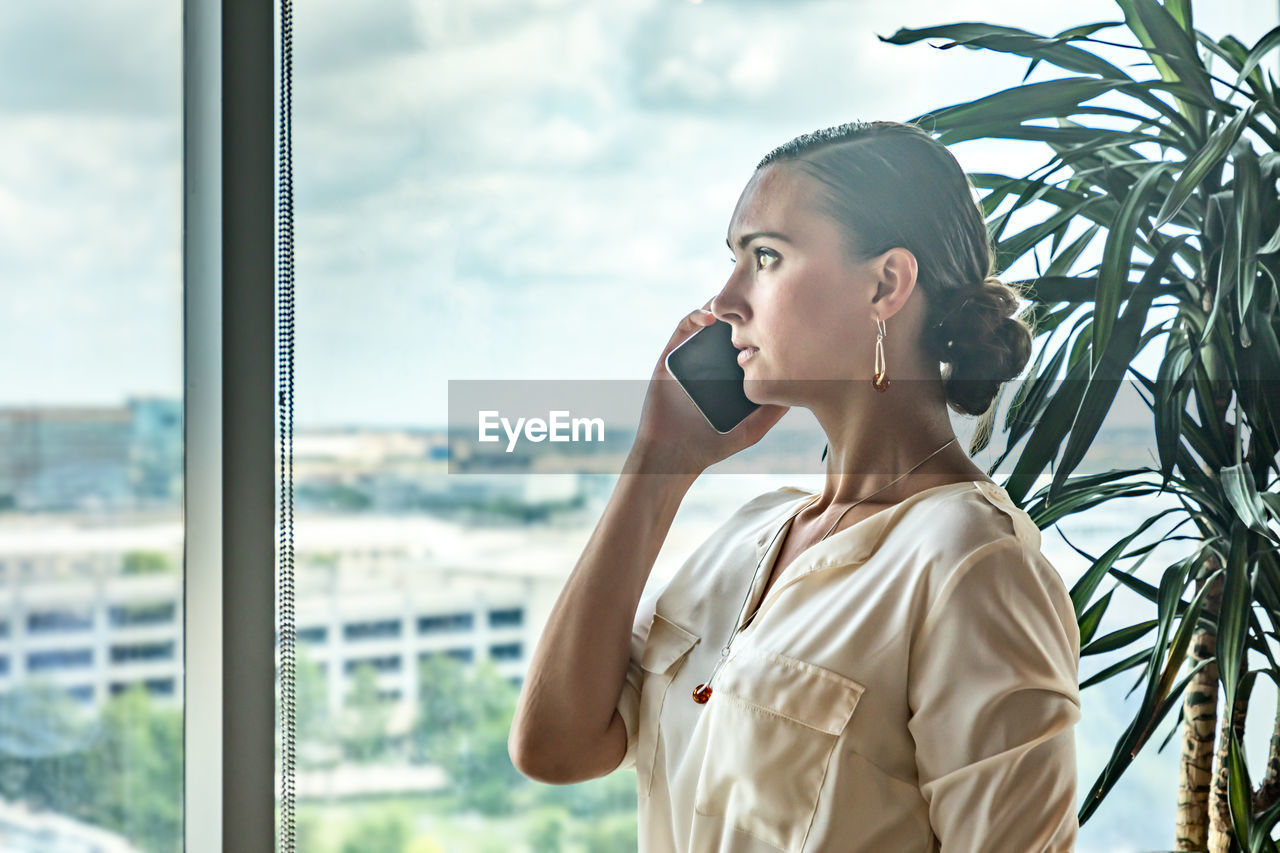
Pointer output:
x,y
746,353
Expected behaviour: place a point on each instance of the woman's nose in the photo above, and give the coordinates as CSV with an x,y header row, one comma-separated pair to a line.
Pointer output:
x,y
727,303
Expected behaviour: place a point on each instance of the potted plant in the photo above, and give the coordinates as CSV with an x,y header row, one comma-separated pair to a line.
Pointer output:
x,y
1182,199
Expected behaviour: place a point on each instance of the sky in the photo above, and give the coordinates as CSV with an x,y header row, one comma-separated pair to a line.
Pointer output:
x,y
485,189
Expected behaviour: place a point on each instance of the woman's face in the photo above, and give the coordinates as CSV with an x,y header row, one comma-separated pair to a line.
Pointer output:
x,y
798,305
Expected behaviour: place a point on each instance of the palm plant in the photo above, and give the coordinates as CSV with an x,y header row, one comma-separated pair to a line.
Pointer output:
x,y
1191,229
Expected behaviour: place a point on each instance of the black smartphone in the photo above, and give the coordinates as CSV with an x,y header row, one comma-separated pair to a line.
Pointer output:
x,y
706,366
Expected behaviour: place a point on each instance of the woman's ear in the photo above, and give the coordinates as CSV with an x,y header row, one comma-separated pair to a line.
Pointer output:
x,y
895,275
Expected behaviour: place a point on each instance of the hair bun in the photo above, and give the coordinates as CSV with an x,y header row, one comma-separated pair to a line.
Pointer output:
x,y
983,345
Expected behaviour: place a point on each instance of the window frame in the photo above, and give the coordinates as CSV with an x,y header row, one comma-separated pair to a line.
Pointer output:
x,y
228,271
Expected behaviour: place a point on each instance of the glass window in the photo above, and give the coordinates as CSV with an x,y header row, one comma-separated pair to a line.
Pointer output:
x,y
371,630
82,693
313,634
505,651
540,191
142,652
59,621
91,436
159,686
129,615
511,617
59,659
389,663
446,623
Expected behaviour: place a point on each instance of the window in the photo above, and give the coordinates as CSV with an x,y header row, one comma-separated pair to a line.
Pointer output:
x,y
92,447
389,663
156,687
446,623
462,655
59,659
371,630
131,615
159,686
505,651
82,693
313,634
142,652
59,621
512,617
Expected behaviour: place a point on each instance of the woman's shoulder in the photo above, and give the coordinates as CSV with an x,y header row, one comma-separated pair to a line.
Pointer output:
x,y
975,516
984,525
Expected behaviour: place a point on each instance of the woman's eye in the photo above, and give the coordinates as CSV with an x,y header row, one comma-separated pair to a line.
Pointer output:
x,y
760,255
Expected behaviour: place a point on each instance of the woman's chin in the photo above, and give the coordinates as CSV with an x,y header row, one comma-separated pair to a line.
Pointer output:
x,y
763,392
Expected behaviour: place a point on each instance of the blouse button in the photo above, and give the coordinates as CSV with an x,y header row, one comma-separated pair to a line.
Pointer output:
x,y
993,491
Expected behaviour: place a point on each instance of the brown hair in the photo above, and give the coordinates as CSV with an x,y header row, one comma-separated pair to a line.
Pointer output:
x,y
891,184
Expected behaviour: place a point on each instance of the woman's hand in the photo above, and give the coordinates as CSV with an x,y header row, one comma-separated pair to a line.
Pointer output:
x,y
674,437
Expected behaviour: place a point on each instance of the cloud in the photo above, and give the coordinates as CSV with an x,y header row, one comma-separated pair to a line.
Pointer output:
x,y
471,176
117,58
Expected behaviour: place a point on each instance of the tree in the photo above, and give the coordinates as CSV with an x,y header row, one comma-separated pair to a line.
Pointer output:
x,y
43,740
1211,242
362,726
314,724
120,770
146,563
612,834
547,830
135,764
383,831
464,718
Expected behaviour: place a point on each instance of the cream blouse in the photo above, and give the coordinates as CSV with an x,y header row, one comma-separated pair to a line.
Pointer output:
x,y
909,684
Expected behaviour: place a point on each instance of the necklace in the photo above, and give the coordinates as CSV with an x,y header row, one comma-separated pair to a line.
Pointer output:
x,y
702,692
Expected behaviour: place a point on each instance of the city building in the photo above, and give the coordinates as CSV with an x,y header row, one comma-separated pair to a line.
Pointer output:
x,y
96,610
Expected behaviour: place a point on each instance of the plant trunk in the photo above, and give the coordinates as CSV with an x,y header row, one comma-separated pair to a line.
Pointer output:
x,y
1199,715
1220,834
1269,791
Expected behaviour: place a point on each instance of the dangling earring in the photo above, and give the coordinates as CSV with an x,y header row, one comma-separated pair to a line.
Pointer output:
x,y
881,381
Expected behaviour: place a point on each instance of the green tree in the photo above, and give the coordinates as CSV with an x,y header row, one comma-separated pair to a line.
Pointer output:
x,y
444,706
146,563
1196,226
121,771
134,763
617,833
547,830
362,723
615,792
385,830
314,723
464,718
43,741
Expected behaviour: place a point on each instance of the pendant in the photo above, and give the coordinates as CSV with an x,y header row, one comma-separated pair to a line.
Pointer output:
x,y
702,693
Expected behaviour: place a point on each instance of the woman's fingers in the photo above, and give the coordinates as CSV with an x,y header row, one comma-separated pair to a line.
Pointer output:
x,y
692,322
755,425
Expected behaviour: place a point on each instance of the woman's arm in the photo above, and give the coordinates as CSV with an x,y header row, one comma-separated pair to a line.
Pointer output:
x,y
566,727
994,696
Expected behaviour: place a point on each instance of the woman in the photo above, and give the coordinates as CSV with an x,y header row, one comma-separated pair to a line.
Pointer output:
x,y
888,665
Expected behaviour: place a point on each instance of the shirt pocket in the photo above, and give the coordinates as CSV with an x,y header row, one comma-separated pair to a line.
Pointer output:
x,y
774,721
664,653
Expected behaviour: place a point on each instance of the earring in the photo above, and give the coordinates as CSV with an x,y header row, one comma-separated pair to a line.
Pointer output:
x,y
881,381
